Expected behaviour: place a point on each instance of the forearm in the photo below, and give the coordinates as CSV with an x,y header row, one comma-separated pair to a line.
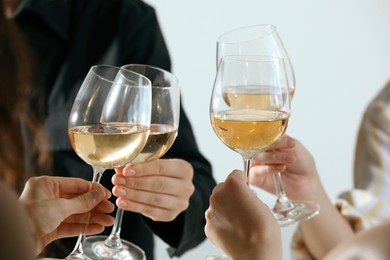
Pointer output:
x,y
369,244
325,231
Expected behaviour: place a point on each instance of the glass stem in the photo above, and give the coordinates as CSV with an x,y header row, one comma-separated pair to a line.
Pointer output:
x,y
114,240
247,167
282,202
78,252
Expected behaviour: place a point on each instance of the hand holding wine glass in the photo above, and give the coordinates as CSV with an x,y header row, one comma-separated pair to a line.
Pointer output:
x,y
250,105
163,131
109,122
263,39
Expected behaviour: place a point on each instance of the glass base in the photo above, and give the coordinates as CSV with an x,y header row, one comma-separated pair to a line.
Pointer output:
x,y
291,212
214,257
95,248
76,257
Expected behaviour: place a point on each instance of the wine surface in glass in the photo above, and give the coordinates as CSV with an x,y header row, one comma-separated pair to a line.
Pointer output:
x,y
160,139
253,96
249,131
108,145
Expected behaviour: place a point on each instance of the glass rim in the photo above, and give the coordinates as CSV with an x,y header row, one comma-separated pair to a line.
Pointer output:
x,y
229,33
253,58
166,72
146,82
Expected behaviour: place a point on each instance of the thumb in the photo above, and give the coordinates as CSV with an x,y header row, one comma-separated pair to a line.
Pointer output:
x,y
86,202
238,174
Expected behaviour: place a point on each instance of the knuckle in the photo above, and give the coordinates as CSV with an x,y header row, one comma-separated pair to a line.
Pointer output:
x,y
132,182
185,204
158,184
156,200
171,216
190,190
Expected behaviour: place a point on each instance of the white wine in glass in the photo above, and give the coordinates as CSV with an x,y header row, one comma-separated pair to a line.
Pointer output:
x,y
109,122
249,111
163,130
250,105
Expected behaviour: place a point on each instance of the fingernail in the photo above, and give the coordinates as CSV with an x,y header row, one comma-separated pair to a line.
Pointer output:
x,y
122,203
129,172
121,180
121,192
98,194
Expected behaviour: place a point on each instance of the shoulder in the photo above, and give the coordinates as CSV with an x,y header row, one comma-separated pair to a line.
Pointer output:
x,y
137,9
123,13
115,6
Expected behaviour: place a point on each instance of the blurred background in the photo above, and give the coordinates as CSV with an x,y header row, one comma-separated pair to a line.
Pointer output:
x,y
340,51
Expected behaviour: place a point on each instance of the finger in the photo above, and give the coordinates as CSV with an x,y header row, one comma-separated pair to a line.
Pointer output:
x,y
83,203
240,175
153,198
154,212
286,142
119,170
134,201
104,207
156,184
70,185
88,219
174,168
265,182
273,157
96,185
263,170
75,193
71,230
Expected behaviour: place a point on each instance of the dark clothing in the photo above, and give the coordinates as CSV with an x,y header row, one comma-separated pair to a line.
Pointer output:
x,y
67,38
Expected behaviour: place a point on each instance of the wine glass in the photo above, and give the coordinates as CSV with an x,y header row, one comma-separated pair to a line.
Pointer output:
x,y
263,39
260,39
163,131
109,122
250,105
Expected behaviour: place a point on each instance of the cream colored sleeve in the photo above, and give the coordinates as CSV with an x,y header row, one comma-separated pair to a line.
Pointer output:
x,y
372,153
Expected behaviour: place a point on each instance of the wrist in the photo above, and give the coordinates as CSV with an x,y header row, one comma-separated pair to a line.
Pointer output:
x,y
264,251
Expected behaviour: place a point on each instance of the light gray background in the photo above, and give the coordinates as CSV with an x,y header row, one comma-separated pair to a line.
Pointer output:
x,y
341,55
